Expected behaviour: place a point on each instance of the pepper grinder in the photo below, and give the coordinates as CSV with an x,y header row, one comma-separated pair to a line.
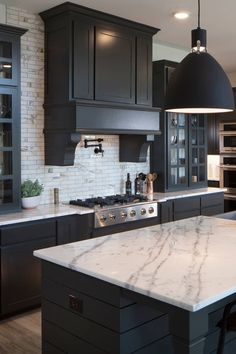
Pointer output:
x,y
56,195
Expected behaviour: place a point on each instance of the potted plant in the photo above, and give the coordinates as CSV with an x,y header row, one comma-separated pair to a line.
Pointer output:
x,y
31,193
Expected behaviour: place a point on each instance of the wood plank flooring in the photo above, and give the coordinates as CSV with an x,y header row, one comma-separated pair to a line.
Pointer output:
x,y
21,334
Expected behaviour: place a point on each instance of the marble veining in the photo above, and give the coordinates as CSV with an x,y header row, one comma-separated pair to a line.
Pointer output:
x,y
189,263
43,211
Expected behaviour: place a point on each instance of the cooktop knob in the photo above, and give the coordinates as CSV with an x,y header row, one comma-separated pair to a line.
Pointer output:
x,y
132,213
143,211
124,214
103,218
112,216
151,210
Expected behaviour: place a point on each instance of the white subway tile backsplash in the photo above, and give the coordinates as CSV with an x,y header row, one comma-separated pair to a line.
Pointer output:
x,y
91,175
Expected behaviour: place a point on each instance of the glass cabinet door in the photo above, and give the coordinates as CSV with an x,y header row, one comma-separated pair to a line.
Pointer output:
x,y
197,149
178,158
8,53
8,143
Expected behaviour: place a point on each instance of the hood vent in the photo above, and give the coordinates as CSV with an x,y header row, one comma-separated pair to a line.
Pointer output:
x,y
65,124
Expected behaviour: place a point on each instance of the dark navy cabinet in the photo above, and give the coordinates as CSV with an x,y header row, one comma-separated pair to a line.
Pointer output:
x,y
179,155
95,56
20,270
10,117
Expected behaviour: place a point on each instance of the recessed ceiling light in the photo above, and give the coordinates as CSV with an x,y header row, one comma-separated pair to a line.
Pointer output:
x,y
181,15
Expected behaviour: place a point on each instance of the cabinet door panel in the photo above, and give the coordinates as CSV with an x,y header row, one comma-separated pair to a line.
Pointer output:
x,y
83,60
21,275
74,228
144,71
186,208
9,56
114,65
166,211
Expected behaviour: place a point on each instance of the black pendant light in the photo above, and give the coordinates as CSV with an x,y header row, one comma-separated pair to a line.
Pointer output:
x,y
199,84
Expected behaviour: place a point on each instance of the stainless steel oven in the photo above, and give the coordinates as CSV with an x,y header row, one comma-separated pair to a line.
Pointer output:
x,y
227,138
228,173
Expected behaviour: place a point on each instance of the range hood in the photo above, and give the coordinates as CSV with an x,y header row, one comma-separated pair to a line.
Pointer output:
x,y
63,133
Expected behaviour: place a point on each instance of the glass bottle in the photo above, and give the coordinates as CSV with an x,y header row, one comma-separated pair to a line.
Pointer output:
x,y
128,185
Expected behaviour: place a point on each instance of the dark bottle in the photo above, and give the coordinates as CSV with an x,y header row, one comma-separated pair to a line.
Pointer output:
x,y
137,185
128,185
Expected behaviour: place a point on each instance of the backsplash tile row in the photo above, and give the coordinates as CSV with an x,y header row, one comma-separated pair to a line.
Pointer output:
x,y
91,175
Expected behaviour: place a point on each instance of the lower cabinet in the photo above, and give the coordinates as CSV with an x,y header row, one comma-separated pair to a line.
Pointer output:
x,y
213,204
166,211
186,208
20,270
183,208
74,228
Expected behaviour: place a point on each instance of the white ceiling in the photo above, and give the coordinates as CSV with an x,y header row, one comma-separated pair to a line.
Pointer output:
x,y
217,16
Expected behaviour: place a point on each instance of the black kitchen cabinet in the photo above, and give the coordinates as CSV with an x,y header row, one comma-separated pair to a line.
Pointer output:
x,y
74,228
83,59
166,211
114,64
187,207
179,154
212,204
213,138
20,270
94,56
144,70
10,118
98,78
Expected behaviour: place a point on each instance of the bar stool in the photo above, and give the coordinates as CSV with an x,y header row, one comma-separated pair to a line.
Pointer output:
x,y
228,323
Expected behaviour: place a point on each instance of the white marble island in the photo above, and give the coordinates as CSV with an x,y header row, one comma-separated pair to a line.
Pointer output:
x,y
188,265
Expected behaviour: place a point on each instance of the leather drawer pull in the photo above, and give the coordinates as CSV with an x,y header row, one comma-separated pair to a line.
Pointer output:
x,y
75,304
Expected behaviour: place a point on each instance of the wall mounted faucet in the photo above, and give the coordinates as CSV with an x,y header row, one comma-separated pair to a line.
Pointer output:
x,y
97,147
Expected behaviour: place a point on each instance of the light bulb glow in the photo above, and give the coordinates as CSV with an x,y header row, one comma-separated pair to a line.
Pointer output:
x,y
181,15
199,110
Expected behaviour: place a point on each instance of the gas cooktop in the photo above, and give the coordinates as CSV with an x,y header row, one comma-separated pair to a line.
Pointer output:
x,y
118,209
110,200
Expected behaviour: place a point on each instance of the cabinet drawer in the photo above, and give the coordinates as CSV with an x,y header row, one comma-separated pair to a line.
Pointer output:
x,y
186,204
212,200
27,231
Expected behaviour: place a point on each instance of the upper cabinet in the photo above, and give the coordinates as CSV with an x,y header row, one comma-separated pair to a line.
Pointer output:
x,y
114,64
10,118
98,79
97,57
179,154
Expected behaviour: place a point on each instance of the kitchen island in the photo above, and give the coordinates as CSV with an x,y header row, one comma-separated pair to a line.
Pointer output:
x,y
160,289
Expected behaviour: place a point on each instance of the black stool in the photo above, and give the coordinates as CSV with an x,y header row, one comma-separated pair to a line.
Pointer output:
x,y
228,323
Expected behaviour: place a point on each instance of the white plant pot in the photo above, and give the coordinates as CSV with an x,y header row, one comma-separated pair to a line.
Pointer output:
x,y
30,202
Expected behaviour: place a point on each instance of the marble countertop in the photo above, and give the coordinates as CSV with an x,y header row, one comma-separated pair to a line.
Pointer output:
x,y
162,197
43,211
189,263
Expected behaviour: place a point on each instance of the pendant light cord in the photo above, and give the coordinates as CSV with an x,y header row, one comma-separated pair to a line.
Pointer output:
x,y
199,8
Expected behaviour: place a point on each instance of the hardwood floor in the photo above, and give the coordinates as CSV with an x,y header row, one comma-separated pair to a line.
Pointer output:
x,y
21,334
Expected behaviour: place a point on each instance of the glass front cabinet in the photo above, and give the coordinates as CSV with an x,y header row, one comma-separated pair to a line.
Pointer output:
x,y
178,155
186,151
10,176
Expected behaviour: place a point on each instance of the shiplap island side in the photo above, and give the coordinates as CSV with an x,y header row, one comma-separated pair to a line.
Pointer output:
x,y
160,289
